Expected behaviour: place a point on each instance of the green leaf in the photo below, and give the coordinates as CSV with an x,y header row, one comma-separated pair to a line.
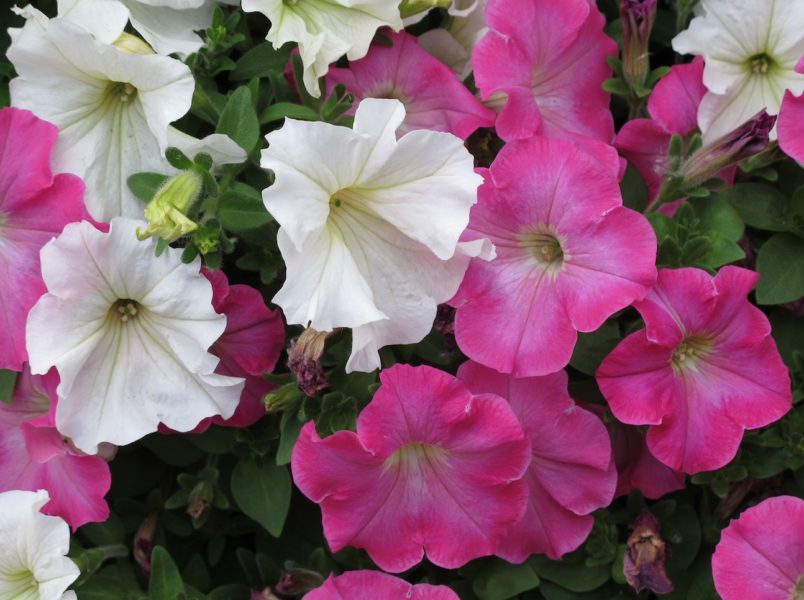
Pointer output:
x,y
501,580
760,206
780,263
239,120
8,379
571,572
242,209
261,61
634,190
280,110
592,348
289,430
788,331
165,582
144,185
262,493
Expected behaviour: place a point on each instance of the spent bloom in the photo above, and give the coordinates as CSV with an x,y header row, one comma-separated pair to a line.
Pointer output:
x,y
751,50
566,481
35,565
431,463
35,205
549,58
325,31
702,371
761,553
375,585
128,333
370,233
569,255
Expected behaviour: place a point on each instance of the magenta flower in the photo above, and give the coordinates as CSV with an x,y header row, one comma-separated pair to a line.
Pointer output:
x,y
761,554
566,480
549,58
702,371
569,255
430,464
34,206
790,125
374,585
34,456
433,97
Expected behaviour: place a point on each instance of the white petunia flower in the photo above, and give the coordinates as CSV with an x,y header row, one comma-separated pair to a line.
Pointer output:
x,y
128,333
751,48
33,548
113,105
370,225
325,29
453,44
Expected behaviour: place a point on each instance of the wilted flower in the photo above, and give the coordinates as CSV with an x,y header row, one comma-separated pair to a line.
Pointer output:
x,y
643,564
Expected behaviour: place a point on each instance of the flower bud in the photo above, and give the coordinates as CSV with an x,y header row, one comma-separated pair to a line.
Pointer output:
x,y
643,564
637,17
166,212
132,44
408,8
282,398
304,361
297,581
748,139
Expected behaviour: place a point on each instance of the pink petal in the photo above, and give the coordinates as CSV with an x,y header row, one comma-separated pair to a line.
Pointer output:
x,y
645,143
674,101
374,585
790,126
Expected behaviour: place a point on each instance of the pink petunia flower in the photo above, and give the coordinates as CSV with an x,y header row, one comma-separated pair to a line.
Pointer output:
x,y
569,255
566,480
549,58
790,125
761,554
374,585
430,464
433,97
34,456
702,371
34,206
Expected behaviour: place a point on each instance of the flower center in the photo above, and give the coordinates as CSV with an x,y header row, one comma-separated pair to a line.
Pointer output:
x,y
798,592
687,353
544,246
414,454
760,64
125,309
290,2
124,92
21,585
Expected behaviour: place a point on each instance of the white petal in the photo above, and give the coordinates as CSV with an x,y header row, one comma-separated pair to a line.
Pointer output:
x,y
169,28
105,19
222,148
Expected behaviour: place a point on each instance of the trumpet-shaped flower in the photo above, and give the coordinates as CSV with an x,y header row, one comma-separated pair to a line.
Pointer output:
x,y
34,206
761,554
33,558
369,233
751,51
325,31
34,455
549,58
569,255
566,481
432,95
702,371
430,464
128,333
375,585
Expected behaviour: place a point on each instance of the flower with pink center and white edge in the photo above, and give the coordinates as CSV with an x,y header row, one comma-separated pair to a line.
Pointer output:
x,y
703,370
375,585
566,480
761,553
430,463
34,455
35,205
569,255
433,97
549,58
129,334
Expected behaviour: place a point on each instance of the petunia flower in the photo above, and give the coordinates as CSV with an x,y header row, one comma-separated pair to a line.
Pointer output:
x,y
35,456
751,50
432,95
375,585
453,44
128,333
704,369
549,58
761,554
569,255
566,480
431,463
369,233
35,565
791,122
35,205
113,105
325,31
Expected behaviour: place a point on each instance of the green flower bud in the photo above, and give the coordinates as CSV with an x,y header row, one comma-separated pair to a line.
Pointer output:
x,y
166,212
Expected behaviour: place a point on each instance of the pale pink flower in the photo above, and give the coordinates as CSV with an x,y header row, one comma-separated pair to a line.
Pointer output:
x,y
34,206
430,464
761,554
704,369
566,480
569,255
549,58
433,97
375,585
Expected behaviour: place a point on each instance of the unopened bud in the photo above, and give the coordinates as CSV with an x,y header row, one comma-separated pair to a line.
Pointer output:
x,y
282,398
200,498
297,581
637,18
144,541
166,212
643,564
132,44
408,8
304,361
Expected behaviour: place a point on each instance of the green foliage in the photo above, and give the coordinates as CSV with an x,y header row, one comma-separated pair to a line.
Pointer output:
x,y
263,493
8,379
